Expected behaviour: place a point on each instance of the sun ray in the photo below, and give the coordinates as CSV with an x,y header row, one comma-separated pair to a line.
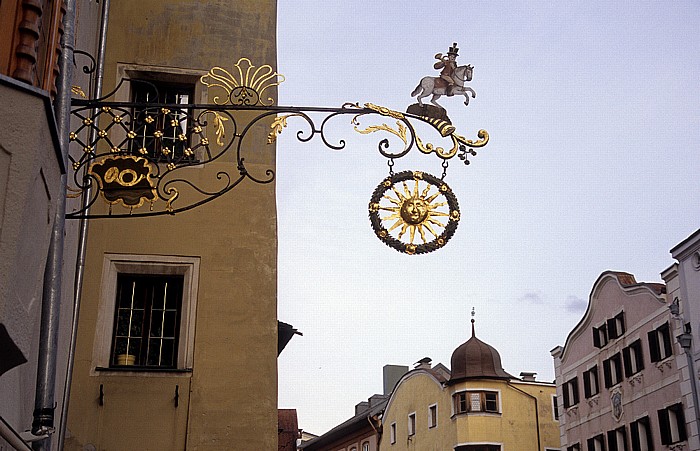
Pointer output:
x,y
406,190
436,222
392,200
400,195
403,230
415,190
394,216
396,224
422,233
438,213
412,230
389,208
425,193
439,204
427,226
432,198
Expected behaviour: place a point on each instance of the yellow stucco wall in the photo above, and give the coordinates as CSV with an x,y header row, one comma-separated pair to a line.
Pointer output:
x,y
229,400
515,428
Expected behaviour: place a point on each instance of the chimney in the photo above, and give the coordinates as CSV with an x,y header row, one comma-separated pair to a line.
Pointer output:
x,y
361,407
392,374
528,377
423,364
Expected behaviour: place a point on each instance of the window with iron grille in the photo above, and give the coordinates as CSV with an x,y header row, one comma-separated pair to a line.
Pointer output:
x,y
147,321
162,134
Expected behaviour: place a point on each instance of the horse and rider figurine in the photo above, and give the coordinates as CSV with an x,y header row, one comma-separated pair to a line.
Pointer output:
x,y
449,83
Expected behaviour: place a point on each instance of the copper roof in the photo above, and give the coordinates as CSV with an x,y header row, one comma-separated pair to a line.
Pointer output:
x,y
476,360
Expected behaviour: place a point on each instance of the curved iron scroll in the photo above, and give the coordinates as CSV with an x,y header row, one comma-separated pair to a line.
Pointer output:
x,y
149,159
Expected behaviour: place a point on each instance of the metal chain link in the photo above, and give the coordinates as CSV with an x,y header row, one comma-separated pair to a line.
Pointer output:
x,y
445,164
390,162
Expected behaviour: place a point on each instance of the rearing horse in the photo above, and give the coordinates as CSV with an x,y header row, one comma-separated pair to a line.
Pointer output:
x,y
438,86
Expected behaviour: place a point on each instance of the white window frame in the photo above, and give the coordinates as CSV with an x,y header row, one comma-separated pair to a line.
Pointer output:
x,y
412,424
431,423
113,265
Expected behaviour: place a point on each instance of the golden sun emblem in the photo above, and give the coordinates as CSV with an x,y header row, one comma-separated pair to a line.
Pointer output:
x,y
423,212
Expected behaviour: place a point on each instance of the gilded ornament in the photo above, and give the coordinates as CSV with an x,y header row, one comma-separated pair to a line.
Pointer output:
x,y
88,149
158,134
182,137
188,152
124,179
72,136
384,111
165,151
413,212
114,150
87,121
77,90
106,109
149,119
174,123
205,141
197,129
131,134
250,82
220,129
143,151
400,131
117,119
165,110
279,123
102,134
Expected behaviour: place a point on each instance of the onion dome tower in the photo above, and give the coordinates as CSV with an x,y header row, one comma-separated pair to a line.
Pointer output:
x,y
475,359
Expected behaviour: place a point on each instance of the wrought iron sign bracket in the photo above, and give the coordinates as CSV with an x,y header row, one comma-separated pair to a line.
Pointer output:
x,y
139,157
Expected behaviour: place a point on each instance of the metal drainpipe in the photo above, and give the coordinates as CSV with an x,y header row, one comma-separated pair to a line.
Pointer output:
x,y
685,340
44,403
82,240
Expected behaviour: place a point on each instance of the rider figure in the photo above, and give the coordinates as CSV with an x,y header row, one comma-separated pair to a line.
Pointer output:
x,y
448,64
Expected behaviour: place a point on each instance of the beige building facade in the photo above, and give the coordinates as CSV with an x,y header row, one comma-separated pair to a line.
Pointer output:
x,y
474,406
177,339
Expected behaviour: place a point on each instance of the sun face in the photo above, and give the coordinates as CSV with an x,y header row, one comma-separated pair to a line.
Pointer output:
x,y
414,212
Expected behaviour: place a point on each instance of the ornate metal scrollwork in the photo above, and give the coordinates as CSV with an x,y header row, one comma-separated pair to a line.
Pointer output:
x,y
146,159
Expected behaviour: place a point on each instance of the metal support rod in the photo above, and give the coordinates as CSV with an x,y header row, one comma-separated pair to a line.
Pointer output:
x,y
82,239
44,403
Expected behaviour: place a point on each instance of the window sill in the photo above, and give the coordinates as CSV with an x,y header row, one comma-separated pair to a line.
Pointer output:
x,y
139,370
477,414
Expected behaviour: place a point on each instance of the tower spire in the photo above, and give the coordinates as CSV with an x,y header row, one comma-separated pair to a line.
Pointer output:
x,y
473,313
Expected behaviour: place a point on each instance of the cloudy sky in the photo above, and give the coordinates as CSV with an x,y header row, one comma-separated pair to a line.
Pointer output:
x,y
594,116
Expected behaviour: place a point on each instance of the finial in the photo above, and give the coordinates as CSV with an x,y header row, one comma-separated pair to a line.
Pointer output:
x,y
473,313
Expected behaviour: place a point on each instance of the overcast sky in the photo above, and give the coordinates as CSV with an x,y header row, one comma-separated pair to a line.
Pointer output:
x,y
594,116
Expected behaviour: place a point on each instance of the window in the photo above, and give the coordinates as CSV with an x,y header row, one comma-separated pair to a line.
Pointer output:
x,y
570,390
612,370
555,408
365,446
432,416
660,343
412,423
633,358
146,313
640,432
161,134
596,443
147,320
672,424
590,382
392,433
600,336
574,447
616,326
476,401
617,439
